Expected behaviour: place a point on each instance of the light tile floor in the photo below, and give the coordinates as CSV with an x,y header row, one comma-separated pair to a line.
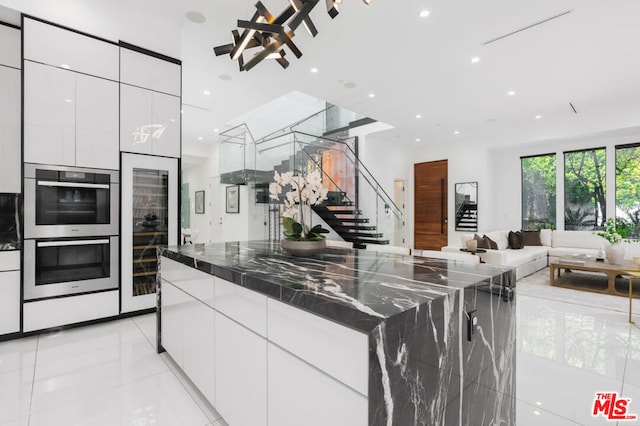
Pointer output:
x,y
571,344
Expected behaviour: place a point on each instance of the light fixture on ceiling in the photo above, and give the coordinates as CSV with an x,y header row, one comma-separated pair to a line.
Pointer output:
x,y
418,116
417,139
538,117
511,92
314,70
475,60
195,17
199,138
206,92
65,66
272,33
456,132
372,95
424,13
216,130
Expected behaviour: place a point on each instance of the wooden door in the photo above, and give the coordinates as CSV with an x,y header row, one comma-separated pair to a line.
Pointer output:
x,y
430,183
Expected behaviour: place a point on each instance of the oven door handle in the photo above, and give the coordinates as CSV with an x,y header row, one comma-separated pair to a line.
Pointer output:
x,y
71,243
73,184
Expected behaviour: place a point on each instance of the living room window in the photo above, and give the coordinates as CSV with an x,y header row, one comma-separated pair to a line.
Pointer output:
x,y
539,191
628,186
585,206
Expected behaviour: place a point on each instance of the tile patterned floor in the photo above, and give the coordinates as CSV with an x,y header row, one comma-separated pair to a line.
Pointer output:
x,y
571,344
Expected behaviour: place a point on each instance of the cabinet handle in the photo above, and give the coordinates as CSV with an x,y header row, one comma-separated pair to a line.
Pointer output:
x,y
73,184
71,243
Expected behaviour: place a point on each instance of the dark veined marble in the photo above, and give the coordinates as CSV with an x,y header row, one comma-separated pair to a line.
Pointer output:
x,y
441,333
9,222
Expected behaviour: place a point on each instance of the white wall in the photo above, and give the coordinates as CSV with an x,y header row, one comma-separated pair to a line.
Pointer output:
x,y
506,211
497,171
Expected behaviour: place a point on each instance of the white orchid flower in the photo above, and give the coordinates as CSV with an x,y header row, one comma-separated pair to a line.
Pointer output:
x,y
274,190
314,179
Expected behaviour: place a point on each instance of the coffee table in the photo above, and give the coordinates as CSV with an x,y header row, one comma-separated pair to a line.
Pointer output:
x,y
590,265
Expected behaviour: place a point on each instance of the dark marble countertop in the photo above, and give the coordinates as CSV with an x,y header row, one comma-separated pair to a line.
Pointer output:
x,y
356,288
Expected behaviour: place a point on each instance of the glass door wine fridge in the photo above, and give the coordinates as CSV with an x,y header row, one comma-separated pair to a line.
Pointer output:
x,y
149,221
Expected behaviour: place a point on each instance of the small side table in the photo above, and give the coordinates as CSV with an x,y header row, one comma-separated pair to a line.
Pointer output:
x,y
633,275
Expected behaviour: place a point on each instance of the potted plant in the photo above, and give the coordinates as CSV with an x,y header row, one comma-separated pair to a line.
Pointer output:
x,y
300,236
615,234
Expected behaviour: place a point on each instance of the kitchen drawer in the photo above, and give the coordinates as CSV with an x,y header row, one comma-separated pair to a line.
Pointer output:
x,y
193,282
10,260
337,350
69,310
243,306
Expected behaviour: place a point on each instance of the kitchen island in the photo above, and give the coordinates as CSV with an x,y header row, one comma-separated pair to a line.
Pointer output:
x,y
345,337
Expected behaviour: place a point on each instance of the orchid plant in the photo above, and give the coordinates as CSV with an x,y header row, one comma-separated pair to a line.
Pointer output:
x,y
306,191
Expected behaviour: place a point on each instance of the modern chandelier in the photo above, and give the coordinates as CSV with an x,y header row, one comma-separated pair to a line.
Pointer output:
x,y
270,34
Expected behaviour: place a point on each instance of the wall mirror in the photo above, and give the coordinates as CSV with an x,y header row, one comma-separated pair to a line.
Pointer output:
x,y
467,206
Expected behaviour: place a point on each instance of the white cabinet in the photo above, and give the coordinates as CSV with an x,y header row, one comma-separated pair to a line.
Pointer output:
x,y
49,115
10,130
299,391
139,69
173,321
97,103
241,374
10,47
337,350
9,292
247,307
50,44
149,122
199,356
9,302
69,310
69,118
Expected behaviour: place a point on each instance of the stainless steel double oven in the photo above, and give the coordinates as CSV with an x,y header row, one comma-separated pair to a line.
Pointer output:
x,y
71,225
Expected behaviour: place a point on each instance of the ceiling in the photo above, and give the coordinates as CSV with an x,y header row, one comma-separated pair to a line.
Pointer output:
x,y
589,57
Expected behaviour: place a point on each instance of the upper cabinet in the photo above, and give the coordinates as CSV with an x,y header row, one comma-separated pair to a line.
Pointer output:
x,y
69,118
10,107
141,70
53,45
10,55
150,104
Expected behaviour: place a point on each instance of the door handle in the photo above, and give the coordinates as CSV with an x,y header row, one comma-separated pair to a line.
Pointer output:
x,y
443,219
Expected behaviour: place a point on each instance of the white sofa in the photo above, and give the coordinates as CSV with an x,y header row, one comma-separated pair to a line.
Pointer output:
x,y
530,259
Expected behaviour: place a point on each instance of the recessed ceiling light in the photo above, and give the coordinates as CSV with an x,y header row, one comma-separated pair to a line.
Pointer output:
x,y
475,60
372,95
417,139
314,70
195,17
172,120
206,92
536,412
424,13
65,66
68,101
216,130
511,92
199,138
418,116
456,132
538,117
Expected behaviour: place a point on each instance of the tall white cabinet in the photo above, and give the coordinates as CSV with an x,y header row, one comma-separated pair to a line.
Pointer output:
x,y
149,104
10,107
71,98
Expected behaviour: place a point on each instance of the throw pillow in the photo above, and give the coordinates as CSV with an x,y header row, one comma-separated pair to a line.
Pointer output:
x,y
515,240
531,238
485,242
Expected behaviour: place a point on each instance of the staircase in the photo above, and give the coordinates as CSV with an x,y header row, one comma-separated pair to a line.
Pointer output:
x,y
467,217
340,214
